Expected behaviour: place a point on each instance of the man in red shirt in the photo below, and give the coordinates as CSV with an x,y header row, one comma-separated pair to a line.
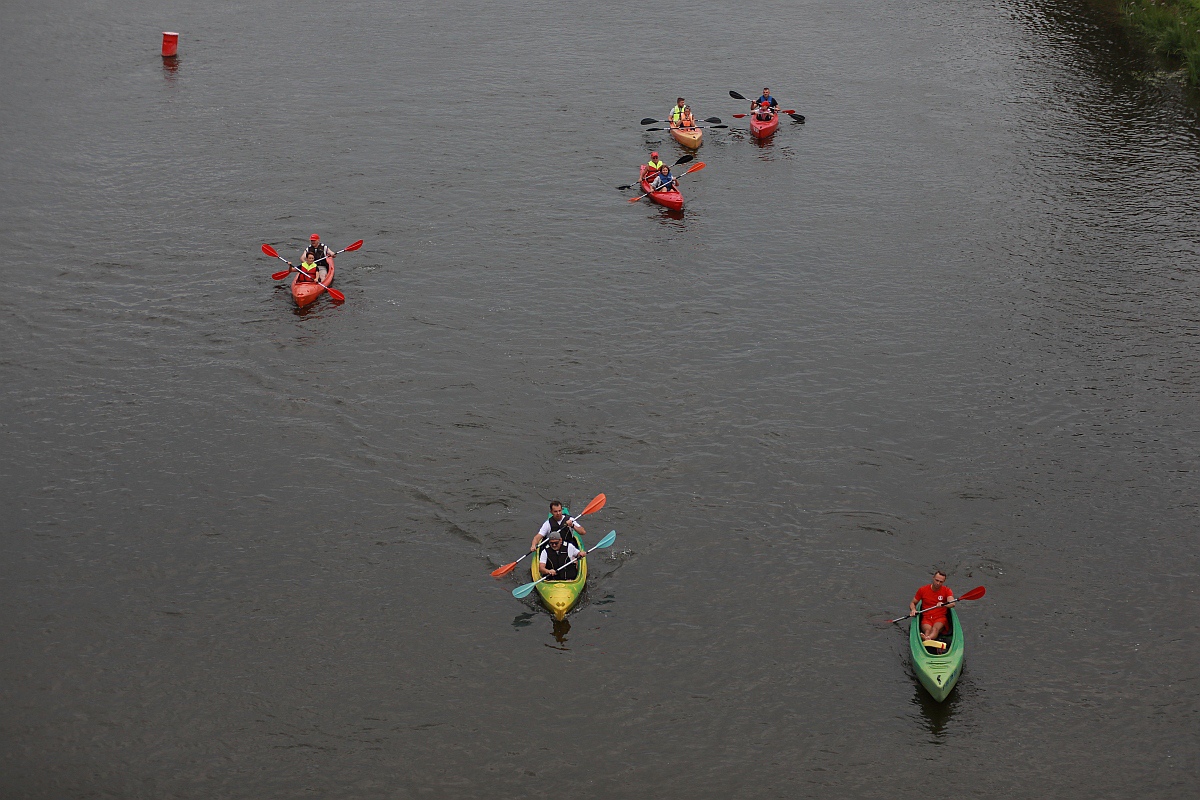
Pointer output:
x,y
936,593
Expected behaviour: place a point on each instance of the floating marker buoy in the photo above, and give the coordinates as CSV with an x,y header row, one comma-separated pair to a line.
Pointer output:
x,y
170,44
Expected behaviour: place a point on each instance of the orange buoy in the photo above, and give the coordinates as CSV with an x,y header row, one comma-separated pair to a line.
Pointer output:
x,y
170,44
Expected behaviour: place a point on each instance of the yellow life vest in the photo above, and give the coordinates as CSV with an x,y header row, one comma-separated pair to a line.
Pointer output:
x,y
677,113
654,165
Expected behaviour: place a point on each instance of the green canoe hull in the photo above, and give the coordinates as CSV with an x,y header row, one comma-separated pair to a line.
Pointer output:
x,y
561,596
937,673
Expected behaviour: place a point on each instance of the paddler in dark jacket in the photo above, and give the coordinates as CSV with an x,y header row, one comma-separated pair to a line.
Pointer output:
x,y
557,521
559,561
319,252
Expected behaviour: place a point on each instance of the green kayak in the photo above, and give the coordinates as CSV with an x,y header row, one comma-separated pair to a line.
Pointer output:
x,y
937,670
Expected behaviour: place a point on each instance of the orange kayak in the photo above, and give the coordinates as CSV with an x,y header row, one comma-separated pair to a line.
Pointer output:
x,y
688,137
305,291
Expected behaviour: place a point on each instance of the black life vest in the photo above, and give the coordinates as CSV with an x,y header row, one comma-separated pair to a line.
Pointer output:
x,y
557,561
318,253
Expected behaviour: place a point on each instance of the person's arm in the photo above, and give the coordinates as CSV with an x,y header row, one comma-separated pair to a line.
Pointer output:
x,y
575,526
542,568
541,534
912,607
949,601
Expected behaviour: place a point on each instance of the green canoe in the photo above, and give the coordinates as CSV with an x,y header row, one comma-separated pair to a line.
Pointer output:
x,y
561,596
937,673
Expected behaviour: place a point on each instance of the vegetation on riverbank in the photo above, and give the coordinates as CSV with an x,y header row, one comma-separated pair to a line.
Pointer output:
x,y
1172,27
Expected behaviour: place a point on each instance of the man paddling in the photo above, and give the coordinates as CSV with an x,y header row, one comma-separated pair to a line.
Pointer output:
x,y
771,102
319,252
681,115
557,523
936,593
559,561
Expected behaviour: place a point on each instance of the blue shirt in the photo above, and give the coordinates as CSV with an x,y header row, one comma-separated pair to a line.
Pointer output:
x,y
771,101
662,181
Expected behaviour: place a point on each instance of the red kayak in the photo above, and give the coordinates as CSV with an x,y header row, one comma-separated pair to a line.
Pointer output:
x,y
762,128
305,290
672,199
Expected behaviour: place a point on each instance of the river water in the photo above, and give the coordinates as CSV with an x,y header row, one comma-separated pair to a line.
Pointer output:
x,y
951,320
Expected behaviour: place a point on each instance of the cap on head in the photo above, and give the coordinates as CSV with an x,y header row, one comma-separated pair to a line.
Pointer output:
x,y
314,238
555,535
654,154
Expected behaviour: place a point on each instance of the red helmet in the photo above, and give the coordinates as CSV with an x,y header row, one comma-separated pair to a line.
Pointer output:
x,y
314,238
654,154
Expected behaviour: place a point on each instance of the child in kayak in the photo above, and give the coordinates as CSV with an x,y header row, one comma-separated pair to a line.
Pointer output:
x,y
308,267
764,112
681,115
663,182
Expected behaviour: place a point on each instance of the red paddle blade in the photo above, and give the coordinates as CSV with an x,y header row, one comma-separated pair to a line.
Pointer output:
x,y
635,199
740,116
974,594
354,246
788,111
266,248
336,295
597,503
278,276
500,572
696,168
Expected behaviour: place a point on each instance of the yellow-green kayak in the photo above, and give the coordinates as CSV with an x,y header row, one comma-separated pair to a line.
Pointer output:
x,y
561,596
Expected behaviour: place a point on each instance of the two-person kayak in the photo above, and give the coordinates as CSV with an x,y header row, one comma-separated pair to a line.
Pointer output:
x,y
690,137
305,290
561,596
671,198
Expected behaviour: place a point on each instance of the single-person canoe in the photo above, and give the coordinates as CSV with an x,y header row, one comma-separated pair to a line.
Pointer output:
x,y
561,596
762,128
688,137
672,199
937,670
305,291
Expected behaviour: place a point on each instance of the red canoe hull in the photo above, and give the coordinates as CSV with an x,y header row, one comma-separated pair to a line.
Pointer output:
x,y
761,129
672,200
304,292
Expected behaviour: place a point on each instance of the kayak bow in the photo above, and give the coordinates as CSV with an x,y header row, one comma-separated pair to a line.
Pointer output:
x,y
561,596
305,291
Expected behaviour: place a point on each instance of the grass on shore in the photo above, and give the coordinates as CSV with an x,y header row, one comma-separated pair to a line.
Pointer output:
x,y
1172,28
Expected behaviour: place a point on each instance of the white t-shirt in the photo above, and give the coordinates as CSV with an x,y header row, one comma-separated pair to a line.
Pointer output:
x,y
572,552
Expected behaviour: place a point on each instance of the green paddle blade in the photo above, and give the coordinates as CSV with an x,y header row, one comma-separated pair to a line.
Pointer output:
x,y
605,542
523,591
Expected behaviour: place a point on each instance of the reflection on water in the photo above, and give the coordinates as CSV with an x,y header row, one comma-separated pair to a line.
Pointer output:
x,y
560,630
935,716
170,65
523,620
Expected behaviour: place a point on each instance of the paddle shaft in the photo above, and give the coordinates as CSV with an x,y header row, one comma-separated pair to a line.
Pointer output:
x,y
522,591
974,594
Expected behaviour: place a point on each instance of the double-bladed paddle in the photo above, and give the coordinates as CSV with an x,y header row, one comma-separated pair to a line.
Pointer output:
x,y
334,293
682,160
791,112
652,120
525,589
699,166
597,503
974,594
690,127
